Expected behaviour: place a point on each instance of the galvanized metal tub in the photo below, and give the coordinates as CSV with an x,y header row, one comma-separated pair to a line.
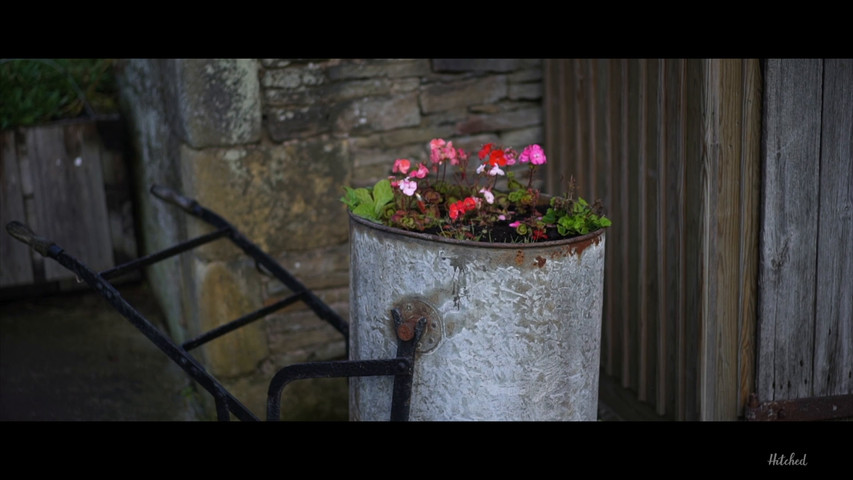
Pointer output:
x,y
513,330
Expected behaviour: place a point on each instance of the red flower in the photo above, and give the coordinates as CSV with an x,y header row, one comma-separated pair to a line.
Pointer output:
x,y
497,158
454,211
461,207
484,152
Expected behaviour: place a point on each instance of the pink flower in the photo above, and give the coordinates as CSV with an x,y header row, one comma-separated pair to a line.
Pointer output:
x,y
496,170
436,149
421,172
533,154
489,196
401,165
408,186
510,155
450,154
515,224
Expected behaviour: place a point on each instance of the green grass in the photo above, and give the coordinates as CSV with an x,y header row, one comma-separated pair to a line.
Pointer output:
x,y
35,91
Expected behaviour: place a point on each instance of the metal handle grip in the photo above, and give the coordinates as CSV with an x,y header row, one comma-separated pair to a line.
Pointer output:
x,y
169,195
25,234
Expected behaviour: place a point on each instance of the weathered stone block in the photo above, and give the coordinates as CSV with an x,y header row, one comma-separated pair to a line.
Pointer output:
x,y
379,68
499,122
294,76
282,197
226,294
379,113
525,91
525,136
284,124
218,101
463,94
475,64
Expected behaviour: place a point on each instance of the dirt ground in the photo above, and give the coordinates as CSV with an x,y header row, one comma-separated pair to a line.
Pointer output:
x,y
72,357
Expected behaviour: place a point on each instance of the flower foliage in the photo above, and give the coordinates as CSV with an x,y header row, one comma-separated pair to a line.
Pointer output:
x,y
445,199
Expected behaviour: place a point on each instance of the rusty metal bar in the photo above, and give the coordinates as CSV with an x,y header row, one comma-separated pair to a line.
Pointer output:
x,y
800,409
195,209
237,323
189,364
164,254
401,367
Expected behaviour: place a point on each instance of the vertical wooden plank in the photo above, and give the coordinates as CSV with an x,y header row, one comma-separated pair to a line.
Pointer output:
x,y
675,236
625,214
650,217
608,105
16,268
728,240
749,198
579,128
70,207
833,359
636,119
553,105
720,249
788,247
604,161
670,166
688,350
618,210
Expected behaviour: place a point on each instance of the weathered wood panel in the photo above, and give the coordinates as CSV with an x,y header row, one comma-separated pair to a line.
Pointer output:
x,y
728,233
16,267
652,154
788,246
69,185
750,190
833,356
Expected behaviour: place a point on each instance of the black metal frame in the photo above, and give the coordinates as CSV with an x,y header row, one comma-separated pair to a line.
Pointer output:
x,y
401,366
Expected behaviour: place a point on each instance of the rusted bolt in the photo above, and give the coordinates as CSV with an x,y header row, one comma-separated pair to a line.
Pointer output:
x,y
406,331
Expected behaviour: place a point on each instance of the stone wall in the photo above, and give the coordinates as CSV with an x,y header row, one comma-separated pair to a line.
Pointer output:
x,y
268,144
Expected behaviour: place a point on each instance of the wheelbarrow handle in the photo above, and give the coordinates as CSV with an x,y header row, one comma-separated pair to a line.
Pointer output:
x,y
169,195
25,234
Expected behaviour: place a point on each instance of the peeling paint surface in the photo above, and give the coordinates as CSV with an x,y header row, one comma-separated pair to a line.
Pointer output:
x,y
520,326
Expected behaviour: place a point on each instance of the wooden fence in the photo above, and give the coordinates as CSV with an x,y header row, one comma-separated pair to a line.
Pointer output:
x,y
672,149
806,277
69,183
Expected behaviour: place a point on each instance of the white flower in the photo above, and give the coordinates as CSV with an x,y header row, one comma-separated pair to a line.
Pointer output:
x,y
408,186
489,196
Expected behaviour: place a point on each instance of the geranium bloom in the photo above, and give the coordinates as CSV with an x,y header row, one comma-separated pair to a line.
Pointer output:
x,y
533,154
484,152
496,171
401,165
435,149
497,158
510,156
421,172
440,150
408,186
461,207
489,196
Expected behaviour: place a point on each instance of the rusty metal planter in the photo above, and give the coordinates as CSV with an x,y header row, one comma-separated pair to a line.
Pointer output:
x,y
513,330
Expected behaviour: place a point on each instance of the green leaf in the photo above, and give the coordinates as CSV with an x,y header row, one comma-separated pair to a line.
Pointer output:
x,y
365,210
382,194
